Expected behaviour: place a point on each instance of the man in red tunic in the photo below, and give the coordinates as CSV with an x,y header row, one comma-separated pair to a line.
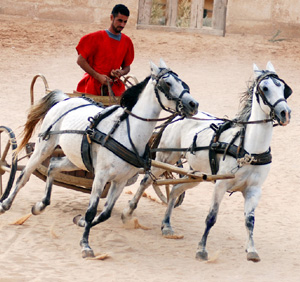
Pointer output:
x,y
106,55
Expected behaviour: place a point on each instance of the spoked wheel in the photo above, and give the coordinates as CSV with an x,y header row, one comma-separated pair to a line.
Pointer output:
x,y
164,193
8,165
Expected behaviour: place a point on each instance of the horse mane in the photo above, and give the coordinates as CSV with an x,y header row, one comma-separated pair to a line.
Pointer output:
x,y
246,104
131,95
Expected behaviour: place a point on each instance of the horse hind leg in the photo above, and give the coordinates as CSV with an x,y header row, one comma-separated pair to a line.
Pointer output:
x,y
41,152
132,204
211,219
147,181
56,165
176,191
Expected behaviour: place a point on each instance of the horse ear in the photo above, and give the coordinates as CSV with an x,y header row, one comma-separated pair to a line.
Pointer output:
x,y
287,91
270,67
163,64
256,70
154,68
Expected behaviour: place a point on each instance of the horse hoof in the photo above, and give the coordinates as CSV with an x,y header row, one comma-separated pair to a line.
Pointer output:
x,y
38,208
2,210
202,255
79,220
4,206
126,217
253,256
87,253
167,231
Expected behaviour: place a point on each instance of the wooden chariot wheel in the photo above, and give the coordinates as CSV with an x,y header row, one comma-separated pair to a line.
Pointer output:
x,y
163,191
8,164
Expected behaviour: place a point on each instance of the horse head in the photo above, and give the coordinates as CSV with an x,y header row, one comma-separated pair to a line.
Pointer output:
x,y
171,92
271,94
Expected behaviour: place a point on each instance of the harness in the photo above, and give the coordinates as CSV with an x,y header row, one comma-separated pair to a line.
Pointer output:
x,y
238,152
165,88
216,148
92,134
259,93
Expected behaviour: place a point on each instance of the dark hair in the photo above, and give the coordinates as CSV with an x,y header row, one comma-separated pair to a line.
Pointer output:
x,y
120,8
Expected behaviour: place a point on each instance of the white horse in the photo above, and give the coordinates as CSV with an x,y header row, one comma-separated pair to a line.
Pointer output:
x,y
123,138
243,148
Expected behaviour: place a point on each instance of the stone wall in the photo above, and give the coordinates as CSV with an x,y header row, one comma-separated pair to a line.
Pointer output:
x,y
89,11
266,17
243,16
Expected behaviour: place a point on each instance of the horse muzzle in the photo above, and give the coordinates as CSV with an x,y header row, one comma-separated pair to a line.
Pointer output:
x,y
284,117
188,106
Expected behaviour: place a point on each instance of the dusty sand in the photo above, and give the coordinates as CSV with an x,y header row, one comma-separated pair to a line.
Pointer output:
x,y
46,247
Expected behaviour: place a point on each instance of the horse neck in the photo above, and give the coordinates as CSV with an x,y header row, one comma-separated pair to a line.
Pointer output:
x,y
148,107
258,136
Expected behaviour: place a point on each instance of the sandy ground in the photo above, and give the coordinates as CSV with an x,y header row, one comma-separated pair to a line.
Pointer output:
x,y
46,247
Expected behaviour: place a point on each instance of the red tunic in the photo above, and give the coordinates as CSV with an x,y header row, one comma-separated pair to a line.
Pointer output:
x,y
104,54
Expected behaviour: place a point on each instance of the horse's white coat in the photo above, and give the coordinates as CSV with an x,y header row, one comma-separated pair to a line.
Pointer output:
x,y
107,166
248,178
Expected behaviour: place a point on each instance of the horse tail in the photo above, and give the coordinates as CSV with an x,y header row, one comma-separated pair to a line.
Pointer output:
x,y
37,113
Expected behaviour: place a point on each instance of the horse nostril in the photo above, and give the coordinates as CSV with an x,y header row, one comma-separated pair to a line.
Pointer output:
x,y
282,114
193,105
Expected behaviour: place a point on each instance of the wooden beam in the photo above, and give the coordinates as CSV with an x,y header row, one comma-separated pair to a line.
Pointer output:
x,y
219,15
191,173
144,11
171,12
204,177
196,13
203,30
196,23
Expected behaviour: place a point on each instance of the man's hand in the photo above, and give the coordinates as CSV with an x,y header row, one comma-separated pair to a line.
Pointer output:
x,y
116,73
103,79
82,62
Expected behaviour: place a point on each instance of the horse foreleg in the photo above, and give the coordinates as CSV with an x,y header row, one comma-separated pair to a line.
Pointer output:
x,y
114,194
210,221
89,216
56,165
176,191
252,196
86,222
91,220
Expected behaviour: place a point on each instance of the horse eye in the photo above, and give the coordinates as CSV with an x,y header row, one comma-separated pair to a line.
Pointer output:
x,y
169,84
265,89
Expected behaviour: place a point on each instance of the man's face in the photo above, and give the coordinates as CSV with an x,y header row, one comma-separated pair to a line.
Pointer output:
x,y
118,23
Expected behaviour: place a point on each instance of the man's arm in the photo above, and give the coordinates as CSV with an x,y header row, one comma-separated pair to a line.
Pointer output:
x,y
82,62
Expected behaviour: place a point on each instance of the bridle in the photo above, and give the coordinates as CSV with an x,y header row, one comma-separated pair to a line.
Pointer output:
x,y
260,93
162,86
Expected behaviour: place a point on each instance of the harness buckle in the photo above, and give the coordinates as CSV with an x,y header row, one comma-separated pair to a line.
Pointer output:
x,y
247,159
215,145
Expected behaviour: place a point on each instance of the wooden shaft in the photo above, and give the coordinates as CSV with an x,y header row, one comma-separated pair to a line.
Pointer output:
x,y
174,168
176,181
193,174
5,168
189,180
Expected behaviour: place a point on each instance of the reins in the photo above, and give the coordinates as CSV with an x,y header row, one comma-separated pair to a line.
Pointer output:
x,y
233,120
149,119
